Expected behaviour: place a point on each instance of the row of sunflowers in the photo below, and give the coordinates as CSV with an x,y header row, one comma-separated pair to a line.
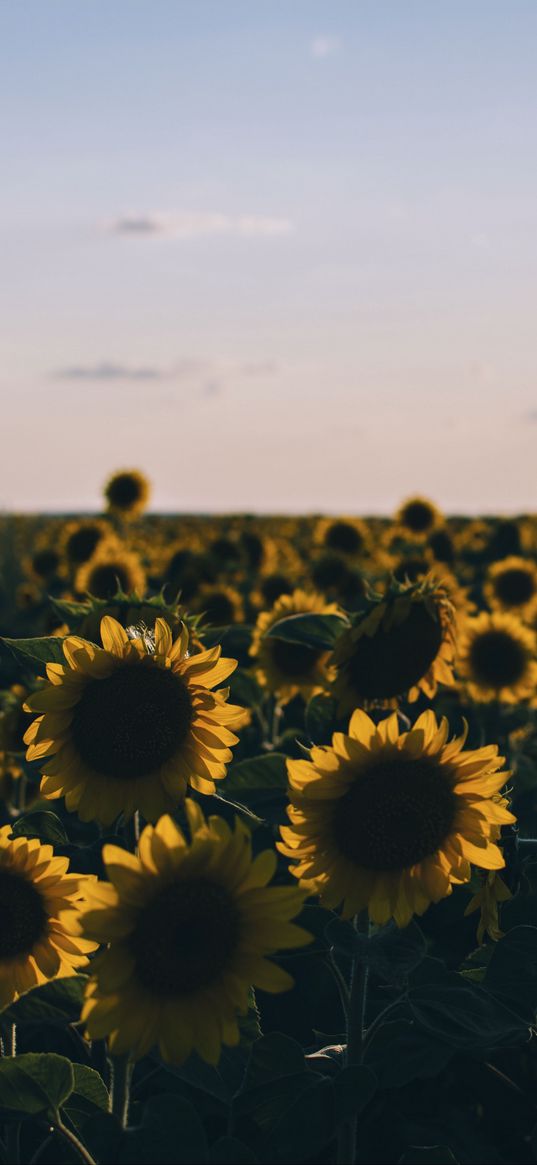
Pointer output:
x,y
268,876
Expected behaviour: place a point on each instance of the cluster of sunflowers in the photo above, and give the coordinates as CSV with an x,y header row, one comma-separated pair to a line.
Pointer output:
x,y
239,757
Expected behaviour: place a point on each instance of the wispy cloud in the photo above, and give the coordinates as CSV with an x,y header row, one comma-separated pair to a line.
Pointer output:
x,y
188,224
324,46
107,370
208,377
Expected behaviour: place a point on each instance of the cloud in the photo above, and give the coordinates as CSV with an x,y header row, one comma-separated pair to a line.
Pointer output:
x,y
188,224
209,377
107,370
324,46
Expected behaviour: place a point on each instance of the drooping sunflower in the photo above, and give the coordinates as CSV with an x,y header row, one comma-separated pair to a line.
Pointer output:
x,y
127,493
189,928
130,725
497,659
110,569
511,585
79,539
36,943
418,517
347,536
389,821
285,668
403,644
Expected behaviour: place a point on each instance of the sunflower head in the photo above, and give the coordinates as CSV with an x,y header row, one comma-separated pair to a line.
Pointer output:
x,y
347,536
127,493
418,517
129,610
389,821
112,569
189,928
511,585
219,604
497,659
401,644
129,725
79,539
286,668
35,943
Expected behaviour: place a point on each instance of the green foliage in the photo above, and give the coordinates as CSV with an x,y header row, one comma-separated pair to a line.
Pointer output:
x,y
315,631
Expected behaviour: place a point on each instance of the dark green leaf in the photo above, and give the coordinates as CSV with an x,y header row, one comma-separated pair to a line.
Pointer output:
x,y
42,824
57,1002
428,1155
35,1083
228,1151
266,773
354,1087
171,1133
464,1015
511,974
34,654
399,1052
89,1093
272,1057
316,631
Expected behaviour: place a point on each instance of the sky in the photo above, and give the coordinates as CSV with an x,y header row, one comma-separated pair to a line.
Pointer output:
x,y
279,256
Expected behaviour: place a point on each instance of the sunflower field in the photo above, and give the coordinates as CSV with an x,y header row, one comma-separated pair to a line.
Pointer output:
x,y
268,837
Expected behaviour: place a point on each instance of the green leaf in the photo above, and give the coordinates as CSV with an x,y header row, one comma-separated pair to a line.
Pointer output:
x,y
321,718
305,1126
228,1151
399,1052
57,1002
392,953
42,824
464,1015
272,1057
354,1087
35,1083
511,974
34,654
171,1133
428,1155
315,631
258,774
89,1093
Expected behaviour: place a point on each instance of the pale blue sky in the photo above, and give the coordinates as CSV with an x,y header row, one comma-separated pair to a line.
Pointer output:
x,y
279,254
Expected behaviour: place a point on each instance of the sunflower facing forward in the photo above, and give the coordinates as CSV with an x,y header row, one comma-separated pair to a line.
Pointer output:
x,y
286,668
35,944
189,928
389,821
402,645
127,493
497,659
124,727
511,585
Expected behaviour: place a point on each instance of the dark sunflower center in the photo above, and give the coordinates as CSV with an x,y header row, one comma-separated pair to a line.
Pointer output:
x,y
185,937
124,490
82,543
442,546
418,516
133,721
514,586
330,571
23,918
275,585
106,579
395,814
45,563
343,536
295,661
497,659
391,661
219,609
253,548
505,539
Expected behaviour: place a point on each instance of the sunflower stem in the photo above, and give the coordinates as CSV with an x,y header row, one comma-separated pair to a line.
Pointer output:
x,y
120,1086
356,1032
73,1140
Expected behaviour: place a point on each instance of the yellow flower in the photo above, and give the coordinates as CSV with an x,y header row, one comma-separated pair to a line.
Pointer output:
x,y
487,899
511,585
80,538
127,493
348,536
286,668
124,727
496,659
111,569
389,821
404,645
189,928
36,944
418,517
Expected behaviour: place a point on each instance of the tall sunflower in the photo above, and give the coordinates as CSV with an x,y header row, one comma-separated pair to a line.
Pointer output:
x,y
127,493
390,821
347,536
497,659
285,668
189,928
511,585
130,725
401,645
418,516
36,942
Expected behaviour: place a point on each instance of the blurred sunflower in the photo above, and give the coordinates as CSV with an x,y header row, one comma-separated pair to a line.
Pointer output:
x,y
402,645
189,928
37,944
389,821
79,539
110,569
511,585
130,725
219,604
285,668
418,517
347,536
497,659
127,493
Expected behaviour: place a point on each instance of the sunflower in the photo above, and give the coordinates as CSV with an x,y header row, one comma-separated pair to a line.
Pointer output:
x,y
511,585
79,539
402,645
219,604
347,536
389,821
128,726
418,517
36,944
497,659
127,493
286,668
111,569
492,891
189,927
